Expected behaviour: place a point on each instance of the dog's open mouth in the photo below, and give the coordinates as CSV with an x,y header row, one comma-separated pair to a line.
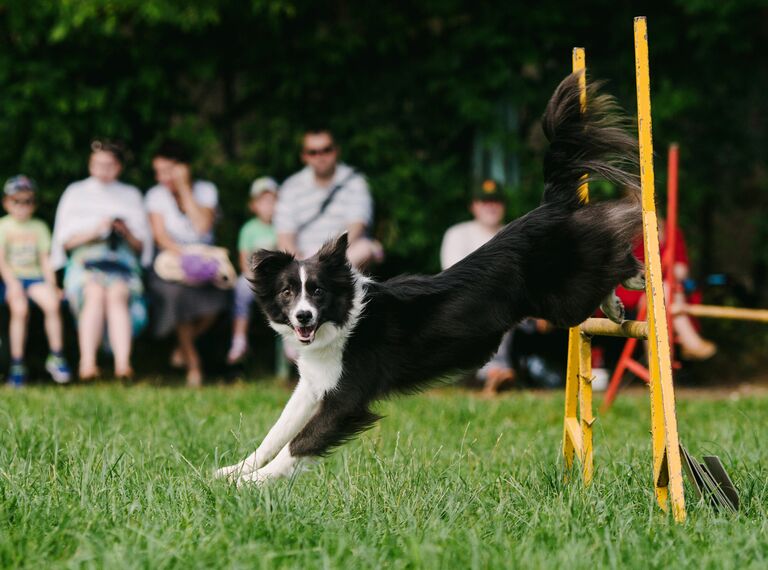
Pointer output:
x,y
305,334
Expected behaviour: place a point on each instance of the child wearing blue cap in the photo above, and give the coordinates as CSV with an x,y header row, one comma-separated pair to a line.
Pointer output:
x,y
25,243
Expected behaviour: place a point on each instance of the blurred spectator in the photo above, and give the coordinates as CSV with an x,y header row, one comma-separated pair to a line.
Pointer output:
x,y
181,213
692,345
322,201
488,212
102,235
537,353
256,234
25,244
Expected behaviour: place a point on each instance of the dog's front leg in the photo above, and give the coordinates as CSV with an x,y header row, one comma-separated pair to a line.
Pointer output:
x,y
300,408
285,464
339,417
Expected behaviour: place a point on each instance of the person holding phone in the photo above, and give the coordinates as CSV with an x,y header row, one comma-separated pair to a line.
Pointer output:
x,y
102,238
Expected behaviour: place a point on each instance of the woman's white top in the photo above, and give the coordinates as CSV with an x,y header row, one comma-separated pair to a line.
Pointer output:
x,y
160,200
87,203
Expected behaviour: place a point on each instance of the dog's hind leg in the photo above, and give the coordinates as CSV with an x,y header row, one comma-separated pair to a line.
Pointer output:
x,y
613,307
297,412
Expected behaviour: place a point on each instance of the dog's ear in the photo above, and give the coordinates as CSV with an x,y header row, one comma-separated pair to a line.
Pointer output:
x,y
265,264
334,252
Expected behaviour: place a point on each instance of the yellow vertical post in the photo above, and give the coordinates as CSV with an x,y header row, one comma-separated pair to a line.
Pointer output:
x,y
571,431
577,435
585,406
667,472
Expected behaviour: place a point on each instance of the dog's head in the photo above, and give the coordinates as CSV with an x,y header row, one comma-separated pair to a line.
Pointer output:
x,y
305,298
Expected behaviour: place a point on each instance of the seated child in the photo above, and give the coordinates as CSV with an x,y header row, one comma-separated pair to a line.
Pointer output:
x,y
692,345
27,274
257,233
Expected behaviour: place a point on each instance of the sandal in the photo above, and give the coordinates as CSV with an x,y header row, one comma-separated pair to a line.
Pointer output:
x,y
89,374
237,350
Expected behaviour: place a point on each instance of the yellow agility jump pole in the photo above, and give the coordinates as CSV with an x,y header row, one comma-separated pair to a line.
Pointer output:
x,y
667,469
577,436
577,425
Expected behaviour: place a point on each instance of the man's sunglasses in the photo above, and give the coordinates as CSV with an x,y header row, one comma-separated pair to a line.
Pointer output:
x,y
318,151
23,201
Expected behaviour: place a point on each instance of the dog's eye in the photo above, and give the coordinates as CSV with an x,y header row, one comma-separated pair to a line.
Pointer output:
x,y
285,293
319,292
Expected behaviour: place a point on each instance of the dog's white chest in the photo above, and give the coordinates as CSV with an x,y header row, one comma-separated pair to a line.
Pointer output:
x,y
321,369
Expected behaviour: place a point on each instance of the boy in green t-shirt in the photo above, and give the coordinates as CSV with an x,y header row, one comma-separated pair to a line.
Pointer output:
x,y
25,243
257,233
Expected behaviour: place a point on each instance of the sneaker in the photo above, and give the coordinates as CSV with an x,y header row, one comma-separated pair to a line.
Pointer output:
x,y
237,350
17,375
58,368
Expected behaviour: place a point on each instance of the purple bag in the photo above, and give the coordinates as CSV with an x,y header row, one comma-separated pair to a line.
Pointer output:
x,y
199,269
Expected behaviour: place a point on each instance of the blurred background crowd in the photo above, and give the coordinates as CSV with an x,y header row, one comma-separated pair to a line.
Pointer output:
x,y
427,102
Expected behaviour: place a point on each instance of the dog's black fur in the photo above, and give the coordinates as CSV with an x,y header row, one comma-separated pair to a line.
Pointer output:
x,y
557,263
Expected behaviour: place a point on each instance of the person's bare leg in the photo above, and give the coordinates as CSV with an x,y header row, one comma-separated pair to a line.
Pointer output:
x,y
177,358
119,327
240,327
239,344
17,330
48,300
186,336
202,324
692,345
198,327
91,328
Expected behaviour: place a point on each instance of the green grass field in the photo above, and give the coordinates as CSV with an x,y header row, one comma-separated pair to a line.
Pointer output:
x,y
115,477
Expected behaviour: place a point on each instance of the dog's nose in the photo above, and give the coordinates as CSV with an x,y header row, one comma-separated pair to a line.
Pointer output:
x,y
304,317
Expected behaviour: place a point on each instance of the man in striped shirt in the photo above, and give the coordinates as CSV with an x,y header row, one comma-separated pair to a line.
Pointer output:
x,y
323,200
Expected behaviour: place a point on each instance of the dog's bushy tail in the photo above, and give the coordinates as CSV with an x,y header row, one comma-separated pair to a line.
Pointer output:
x,y
594,143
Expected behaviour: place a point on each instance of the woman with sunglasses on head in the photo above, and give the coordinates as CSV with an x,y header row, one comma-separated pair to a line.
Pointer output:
x,y
182,212
101,236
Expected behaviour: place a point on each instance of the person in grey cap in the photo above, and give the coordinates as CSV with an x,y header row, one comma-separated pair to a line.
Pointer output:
x,y
256,234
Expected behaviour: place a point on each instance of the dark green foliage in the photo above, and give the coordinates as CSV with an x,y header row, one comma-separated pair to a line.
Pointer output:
x,y
406,87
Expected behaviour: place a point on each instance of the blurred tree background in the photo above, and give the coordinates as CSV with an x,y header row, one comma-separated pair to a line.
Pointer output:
x,y
408,88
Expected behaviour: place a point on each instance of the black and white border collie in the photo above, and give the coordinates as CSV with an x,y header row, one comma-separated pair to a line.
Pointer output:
x,y
359,340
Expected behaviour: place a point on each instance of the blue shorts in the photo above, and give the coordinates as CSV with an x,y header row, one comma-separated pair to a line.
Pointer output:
x,y
25,283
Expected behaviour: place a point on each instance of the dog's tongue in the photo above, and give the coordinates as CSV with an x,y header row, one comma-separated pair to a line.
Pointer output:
x,y
305,334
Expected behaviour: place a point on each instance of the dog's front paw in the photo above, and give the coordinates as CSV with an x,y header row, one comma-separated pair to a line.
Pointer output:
x,y
257,478
246,466
613,308
229,472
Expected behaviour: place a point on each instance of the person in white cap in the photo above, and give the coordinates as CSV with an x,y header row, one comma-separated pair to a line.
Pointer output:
x,y
256,234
